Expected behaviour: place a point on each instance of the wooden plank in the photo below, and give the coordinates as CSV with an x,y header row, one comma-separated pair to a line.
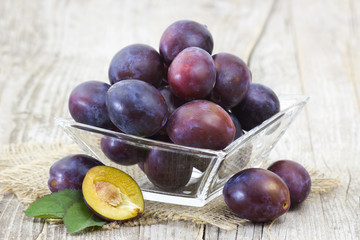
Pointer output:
x,y
17,226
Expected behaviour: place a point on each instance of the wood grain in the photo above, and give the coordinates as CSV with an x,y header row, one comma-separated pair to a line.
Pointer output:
x,y
295,47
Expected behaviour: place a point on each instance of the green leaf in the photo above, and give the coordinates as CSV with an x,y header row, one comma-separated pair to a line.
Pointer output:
x,y
79,217
54,205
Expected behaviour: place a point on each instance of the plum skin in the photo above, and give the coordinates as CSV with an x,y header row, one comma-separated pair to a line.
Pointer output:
x,y
137,61
136,107
260,103
257,194
87,104
183,34
296,178
69,172
192,74
201,123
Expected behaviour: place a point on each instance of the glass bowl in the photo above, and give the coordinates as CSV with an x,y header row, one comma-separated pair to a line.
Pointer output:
x,y
209,169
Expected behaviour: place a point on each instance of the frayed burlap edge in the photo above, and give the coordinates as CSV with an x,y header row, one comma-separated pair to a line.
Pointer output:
x,y
24,171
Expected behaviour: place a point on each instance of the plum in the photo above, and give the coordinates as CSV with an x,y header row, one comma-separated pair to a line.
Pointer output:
x,y
183,34
69,172
167,170
161,136
172,101
112,194
238,129
87,104
257,194
136,107
201,123
260,103
122,152
233,79
296,178
137,61
192,74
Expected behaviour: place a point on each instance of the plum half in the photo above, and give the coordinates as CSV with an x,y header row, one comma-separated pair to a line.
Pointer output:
x,y
112,194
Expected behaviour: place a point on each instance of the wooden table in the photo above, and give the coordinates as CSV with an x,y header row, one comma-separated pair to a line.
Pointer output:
x,y
309,47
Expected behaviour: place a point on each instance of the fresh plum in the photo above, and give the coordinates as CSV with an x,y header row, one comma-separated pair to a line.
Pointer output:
x,y
69,172
121,152
296,178
201,123
257,194
232,80
183,34
238,129
136,107
171,100
167,170
260,103
137,61
87,104
192,74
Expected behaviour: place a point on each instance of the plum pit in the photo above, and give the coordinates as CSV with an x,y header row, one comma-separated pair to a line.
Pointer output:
x,y
108,193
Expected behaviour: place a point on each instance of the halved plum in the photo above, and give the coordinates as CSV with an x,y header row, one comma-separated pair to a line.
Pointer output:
x,y
112,194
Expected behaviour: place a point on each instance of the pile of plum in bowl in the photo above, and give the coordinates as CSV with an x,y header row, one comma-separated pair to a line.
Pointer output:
x,y
180,121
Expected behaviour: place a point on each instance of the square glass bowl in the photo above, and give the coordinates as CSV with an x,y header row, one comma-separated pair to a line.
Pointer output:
x,y
209,169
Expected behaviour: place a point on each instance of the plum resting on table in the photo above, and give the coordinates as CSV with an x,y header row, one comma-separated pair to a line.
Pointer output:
x,y
257,194
296,178
183,34
69,172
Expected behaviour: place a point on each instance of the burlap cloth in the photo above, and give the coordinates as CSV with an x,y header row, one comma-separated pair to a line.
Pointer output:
x,y
24,171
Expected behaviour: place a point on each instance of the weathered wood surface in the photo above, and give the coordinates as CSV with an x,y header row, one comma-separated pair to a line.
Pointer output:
x,y
296,47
